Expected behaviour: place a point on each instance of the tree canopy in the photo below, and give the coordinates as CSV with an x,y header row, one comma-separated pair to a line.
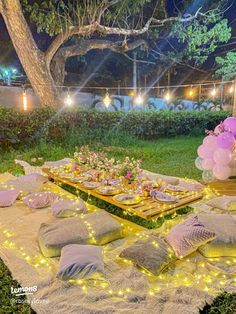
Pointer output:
x,y
226,66
189,34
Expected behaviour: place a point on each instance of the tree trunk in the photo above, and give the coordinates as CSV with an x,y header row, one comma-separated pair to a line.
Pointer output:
x,y
32,59
58,71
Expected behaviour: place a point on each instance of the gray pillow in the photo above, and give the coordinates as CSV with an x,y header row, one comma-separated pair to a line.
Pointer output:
x,y
152,254
25,186
223,202
80,261
68,208
40,200
33,177
96,228
224,226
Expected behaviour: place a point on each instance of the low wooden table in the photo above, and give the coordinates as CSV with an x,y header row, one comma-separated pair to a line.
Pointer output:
x,y
148,208
224,187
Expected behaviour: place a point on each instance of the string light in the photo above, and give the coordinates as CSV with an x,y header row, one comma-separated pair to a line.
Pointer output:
x,y
68,100
25,100
139,99
131,93
167,96
231,89
191,92
213,92
107,99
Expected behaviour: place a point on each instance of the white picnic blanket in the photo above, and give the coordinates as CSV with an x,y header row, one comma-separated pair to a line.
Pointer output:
x,y
184,288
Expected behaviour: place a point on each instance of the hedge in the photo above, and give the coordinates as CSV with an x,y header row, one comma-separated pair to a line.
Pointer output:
x,y
18,127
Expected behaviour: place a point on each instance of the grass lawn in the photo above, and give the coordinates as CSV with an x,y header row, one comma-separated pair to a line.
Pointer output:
x,y
173,156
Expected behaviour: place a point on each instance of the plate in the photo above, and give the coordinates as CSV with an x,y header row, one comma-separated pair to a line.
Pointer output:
x,y
108,190
90,185
65,175
114,182
154,184
163,197
78,179
127,199
176,188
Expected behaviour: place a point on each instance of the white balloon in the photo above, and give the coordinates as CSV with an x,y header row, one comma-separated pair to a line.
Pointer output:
x,y
198,163
208,176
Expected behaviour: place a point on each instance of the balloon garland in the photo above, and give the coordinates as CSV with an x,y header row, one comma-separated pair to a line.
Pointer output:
x,y
217,154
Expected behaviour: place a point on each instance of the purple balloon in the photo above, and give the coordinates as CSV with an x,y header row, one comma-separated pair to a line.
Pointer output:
x,y
230,125
221,172
225,140
222,156
203,152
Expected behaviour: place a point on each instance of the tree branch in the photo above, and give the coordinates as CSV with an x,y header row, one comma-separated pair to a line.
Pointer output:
x,y
58,62
139,61
63,37
107,30
177,61
184,19
86,45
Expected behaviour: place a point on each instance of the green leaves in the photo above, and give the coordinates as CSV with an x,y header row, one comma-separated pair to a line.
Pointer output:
x,y
54,16
226,66
201,38
45,123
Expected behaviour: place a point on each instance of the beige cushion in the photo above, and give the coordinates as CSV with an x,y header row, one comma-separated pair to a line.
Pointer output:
x,y
224,226
152,254
68,208
25,187
96,228
155,176
223,202
80,261
185,238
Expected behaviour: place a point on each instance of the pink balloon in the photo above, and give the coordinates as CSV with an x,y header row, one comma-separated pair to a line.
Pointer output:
x,y
208,164
225,140
230,125
210,142
203,152
222,156
221,172
218,129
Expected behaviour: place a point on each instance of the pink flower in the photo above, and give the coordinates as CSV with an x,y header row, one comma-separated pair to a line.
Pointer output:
x,y
74,167
128,174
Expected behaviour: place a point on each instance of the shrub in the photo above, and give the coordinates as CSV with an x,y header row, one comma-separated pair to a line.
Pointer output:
x,y
54,125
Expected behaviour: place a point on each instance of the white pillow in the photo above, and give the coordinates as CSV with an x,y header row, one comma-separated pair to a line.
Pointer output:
x,y
68,208
80,261
223,202
224,226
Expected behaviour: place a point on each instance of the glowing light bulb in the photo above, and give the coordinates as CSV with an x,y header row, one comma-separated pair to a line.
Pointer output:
x,y
214,92
191,92
68,100
131,93
231,89
167,96
107,100
138,100
25,101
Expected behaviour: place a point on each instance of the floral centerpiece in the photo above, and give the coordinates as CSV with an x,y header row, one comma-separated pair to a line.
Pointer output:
x,y
109,168
129,169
